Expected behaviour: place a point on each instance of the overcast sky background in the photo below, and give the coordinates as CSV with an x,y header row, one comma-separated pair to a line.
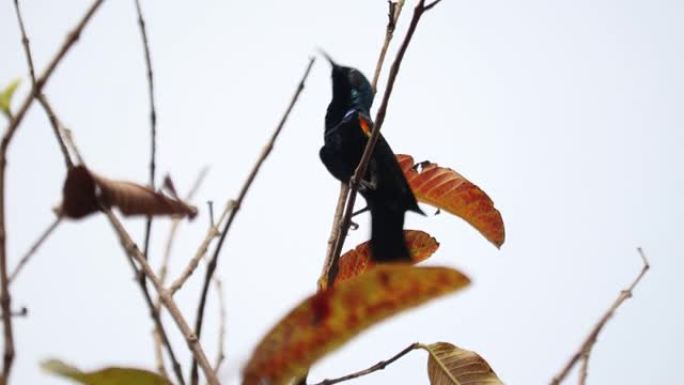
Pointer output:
x,y
567,113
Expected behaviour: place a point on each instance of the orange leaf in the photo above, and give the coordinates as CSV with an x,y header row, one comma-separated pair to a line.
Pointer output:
x,y
448,190
80,199
354,262
331,317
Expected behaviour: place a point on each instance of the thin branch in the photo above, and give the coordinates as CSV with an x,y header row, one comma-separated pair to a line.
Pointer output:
x,y
330,259
211,267
153,123
220,354
379,366
56,129
163,270
134,252
154,310
343,224
41,98
156,317
34,247
5,297
395,8
71,38
584,367
158,352
590,340
332,239
212,233
25,43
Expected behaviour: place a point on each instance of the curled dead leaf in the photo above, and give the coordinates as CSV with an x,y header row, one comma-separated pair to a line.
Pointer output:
x,y
451,365
446,189
329,318
420,244
82,187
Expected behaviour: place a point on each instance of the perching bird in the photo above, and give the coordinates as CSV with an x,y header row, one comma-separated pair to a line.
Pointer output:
x,y
347,129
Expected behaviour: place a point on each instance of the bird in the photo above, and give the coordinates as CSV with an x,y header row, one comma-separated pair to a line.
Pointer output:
x,y
348,127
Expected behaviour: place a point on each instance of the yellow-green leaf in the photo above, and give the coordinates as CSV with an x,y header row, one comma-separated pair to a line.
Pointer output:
x,y
331,317
107,376
6,96
451,365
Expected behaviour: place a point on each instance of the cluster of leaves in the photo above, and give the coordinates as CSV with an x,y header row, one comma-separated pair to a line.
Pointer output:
x,y
365,293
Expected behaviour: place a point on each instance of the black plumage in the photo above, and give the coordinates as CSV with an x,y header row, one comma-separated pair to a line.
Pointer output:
x,y
384,187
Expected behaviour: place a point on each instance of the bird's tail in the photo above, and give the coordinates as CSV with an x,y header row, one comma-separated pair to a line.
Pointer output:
x,y
387,235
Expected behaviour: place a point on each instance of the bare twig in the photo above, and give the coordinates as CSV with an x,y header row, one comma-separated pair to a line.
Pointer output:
x,y
212,233
34,247
153,123
23,312
343,224
158,352
71,38
156,317
395,8
379,366
585,349
211,267
56,129
5,298
332,239
584,367
41,97
220,354
70,143
163,269
134,252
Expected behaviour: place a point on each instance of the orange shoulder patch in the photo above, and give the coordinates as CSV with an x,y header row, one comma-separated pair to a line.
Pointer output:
x,y
365,126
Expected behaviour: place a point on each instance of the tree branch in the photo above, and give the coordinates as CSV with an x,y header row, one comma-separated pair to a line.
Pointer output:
x,y
343,224
153,124
395,8
5,297
211,267
585,349
330,261
134,252
41,97
379,366
36,245
163,270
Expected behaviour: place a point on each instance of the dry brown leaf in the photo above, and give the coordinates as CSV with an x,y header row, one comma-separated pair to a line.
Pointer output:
x,y
80,199
420,244
448,190
328,319
451,365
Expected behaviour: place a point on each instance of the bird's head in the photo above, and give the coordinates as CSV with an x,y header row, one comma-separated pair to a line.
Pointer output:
x,y
351,89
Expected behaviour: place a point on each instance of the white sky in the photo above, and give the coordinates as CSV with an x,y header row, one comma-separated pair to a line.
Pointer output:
x,y
567,113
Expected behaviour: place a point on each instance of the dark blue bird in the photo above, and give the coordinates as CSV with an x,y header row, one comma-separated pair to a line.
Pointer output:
x,y
347,129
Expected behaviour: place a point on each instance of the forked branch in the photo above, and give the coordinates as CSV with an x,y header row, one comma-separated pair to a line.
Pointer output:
x,y
211,267
584,351
343,224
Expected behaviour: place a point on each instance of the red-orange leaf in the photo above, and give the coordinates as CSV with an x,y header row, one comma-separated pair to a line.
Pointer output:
x,y
80,199
355,261
331,317
448,190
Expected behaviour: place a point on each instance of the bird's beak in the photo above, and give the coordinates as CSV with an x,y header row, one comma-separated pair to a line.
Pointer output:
x,y
328,58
